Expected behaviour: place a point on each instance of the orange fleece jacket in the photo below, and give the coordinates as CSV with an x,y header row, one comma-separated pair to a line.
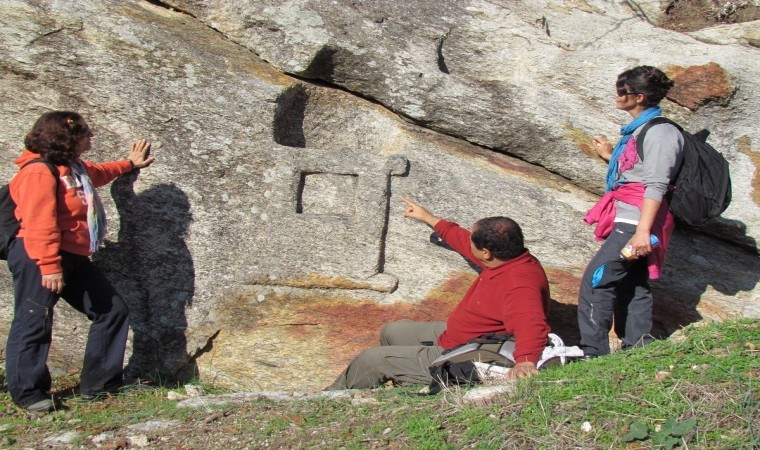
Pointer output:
x,y
51,223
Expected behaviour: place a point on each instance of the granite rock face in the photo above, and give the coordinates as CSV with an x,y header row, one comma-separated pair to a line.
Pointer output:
x,y
268,237
524,63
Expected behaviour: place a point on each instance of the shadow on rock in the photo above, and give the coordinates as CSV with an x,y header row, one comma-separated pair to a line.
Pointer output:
x,y
153,270
563,320
696,264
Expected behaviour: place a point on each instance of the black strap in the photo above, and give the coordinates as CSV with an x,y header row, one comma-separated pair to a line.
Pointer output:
x,y
51,166
655,121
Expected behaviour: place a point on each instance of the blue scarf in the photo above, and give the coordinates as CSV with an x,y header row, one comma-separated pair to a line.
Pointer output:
x,y
626,132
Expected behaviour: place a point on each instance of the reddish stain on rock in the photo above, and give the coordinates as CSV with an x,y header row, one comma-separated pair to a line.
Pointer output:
x,y
699,85
354,326
564,286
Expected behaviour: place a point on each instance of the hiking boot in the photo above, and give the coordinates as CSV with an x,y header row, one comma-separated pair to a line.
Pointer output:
x,y
41,406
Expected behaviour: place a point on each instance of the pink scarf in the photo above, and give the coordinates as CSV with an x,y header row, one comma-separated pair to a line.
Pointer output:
x,y
603,215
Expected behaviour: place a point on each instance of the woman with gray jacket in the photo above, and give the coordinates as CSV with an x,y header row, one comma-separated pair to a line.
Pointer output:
x,y
632,215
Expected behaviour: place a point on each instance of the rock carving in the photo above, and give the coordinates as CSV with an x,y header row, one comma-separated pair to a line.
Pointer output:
x,y
325,206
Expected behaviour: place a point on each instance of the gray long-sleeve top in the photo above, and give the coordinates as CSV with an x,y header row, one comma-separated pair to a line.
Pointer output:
x,y
663,153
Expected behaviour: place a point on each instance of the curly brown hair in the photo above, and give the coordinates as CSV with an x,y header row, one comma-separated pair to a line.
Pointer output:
x,y
56,136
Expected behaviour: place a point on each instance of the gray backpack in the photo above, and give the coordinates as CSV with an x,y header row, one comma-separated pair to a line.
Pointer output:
x,y
465,364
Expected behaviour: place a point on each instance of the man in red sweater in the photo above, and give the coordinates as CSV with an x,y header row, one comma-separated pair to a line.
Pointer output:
x,y
511,295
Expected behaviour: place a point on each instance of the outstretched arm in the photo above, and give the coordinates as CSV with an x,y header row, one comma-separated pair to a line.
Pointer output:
x,y
417,212
138,158
455,236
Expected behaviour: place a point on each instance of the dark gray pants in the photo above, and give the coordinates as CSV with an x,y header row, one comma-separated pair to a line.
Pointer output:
x,y
89,292
612,287
407,349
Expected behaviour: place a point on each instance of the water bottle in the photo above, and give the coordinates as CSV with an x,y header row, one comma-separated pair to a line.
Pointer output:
x,y
626,253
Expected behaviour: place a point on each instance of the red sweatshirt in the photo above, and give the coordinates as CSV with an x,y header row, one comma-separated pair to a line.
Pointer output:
x,y
52,223
511,298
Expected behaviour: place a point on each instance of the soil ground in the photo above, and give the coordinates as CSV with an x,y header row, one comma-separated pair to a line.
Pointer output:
x,y
692,15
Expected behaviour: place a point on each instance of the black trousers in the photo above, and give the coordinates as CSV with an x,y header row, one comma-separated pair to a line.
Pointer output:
x,y
612,287
88,291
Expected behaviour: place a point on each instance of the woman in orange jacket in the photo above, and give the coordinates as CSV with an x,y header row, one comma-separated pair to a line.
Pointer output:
x,y
62,223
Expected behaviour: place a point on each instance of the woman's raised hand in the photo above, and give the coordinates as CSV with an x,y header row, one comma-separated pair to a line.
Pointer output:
x,y
139,154
602,148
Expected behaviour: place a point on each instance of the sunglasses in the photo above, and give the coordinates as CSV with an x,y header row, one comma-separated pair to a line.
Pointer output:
x,y
622,92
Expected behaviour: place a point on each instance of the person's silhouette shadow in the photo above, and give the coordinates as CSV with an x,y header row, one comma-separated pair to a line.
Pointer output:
x,y
727,268
153,270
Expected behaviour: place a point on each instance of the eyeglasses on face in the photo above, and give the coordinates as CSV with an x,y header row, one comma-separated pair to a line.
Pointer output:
x,y
621,91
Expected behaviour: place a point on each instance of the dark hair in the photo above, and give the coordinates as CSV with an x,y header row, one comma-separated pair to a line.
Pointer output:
x,y
56,135
647,80
501,236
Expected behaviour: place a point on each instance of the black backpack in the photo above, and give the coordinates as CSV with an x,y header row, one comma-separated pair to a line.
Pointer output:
x,y
9,225
702,186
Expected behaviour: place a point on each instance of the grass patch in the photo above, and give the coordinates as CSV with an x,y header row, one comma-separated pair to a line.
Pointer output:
x,y
696,390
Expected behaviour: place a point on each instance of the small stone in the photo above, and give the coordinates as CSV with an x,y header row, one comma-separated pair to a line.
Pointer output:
x,y
173,395
102,437
193,390
488,395
138,441
364,401
661,375
62,439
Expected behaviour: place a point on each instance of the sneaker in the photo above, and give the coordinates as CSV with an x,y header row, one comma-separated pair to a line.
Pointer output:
x,y
45,405
95,397
108,391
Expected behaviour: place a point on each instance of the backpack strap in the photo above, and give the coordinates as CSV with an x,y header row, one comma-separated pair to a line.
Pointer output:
x,y
655,121
51,166
53,170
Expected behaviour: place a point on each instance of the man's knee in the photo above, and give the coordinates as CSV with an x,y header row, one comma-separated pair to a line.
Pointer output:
x,y
390,330
365,370
368,360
